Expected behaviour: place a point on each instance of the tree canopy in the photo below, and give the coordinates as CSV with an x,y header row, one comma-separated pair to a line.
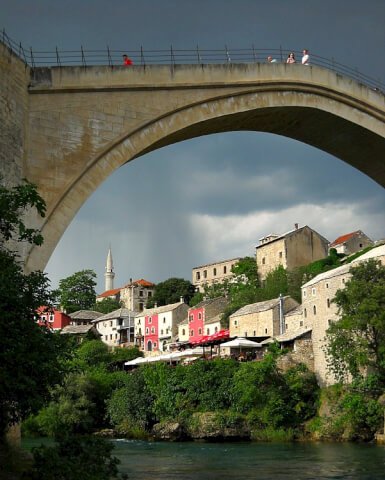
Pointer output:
x,y
356,342
107,305
170,291
77,292
28,353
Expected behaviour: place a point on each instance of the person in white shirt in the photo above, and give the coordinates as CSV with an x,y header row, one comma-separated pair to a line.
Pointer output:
x,y
305,57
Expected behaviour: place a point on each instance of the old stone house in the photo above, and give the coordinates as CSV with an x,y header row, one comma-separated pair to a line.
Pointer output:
x,y
292,249
116,327
213,273
262,319
351,242
84,317
319,311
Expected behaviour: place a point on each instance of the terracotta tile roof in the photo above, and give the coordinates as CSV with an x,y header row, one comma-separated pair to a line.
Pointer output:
x,y
343,238
141,282
109,293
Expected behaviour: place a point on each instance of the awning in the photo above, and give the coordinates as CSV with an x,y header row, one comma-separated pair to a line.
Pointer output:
x,y
240,342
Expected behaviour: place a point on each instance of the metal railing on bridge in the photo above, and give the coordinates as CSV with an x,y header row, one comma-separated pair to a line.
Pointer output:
x,y
84,57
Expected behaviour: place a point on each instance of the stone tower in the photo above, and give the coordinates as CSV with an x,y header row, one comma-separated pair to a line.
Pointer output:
x,y
109,275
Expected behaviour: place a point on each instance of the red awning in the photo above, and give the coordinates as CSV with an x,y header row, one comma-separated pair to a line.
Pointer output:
x,y
215,337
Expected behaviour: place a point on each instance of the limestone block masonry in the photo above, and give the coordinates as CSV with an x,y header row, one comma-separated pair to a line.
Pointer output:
x,y
67,129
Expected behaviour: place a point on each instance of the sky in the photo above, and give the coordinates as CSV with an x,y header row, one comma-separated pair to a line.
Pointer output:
x,y
211,198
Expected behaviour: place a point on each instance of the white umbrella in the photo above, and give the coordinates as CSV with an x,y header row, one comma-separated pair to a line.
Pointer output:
x,y
240,342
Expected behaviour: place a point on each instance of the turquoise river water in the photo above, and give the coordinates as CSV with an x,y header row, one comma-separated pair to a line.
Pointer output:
x,y
263,461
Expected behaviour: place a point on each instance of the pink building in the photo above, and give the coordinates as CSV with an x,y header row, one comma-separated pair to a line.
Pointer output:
x,y
151,336
53,319
201,315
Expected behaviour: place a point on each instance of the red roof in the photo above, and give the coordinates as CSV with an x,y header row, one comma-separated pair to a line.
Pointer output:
x,y
141,282
110,293
343,238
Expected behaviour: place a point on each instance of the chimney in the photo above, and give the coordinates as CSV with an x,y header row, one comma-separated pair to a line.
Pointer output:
x,y
181,299
296,226
156,305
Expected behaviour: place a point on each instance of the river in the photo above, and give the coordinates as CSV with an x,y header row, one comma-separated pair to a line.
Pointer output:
x,y
263,461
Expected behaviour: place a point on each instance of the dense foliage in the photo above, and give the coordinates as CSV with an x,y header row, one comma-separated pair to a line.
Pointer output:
x,y
77,292
258,392
170,291
28,353
75,458
356,343
107,305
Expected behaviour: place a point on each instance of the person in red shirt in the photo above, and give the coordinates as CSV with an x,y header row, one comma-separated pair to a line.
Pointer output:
x,y
126,61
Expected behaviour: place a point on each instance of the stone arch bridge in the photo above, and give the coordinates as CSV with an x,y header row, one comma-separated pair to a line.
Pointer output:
x,y
67,129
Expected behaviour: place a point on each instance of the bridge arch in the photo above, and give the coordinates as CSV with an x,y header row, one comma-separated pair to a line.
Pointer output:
x,y
339,121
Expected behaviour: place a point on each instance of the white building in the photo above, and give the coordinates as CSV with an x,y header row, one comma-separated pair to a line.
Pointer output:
x,y
117,327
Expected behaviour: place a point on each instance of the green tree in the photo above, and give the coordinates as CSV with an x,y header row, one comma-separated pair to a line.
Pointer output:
x,y
77,292
75,458
276,282
28,354
356,342
170,291
246,270
107,305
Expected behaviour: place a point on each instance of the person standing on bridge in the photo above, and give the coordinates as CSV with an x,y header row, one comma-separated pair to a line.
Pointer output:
x,y
126,61
270,59
305,57
290,58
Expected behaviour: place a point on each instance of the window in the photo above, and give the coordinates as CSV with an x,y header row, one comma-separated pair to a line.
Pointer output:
x,y
305,313
140,307
208,331
155,344
116,336
139,321
147,331
183,331
106,337
304,293
266,331
198,276
280,254
200,331
263,261
140,331
149,294
314,310
111,336
111,323
343,280
140,293
191,333
254,333
164,319
245,335
200,316
216,330
204,273
161,332
313,291
51,318
285,326
225,269
191,318
235,323
330,322
152,329
301,323
328,302
149,319
327,285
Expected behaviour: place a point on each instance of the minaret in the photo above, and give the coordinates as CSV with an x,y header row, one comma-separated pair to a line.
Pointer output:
x,y
109,275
